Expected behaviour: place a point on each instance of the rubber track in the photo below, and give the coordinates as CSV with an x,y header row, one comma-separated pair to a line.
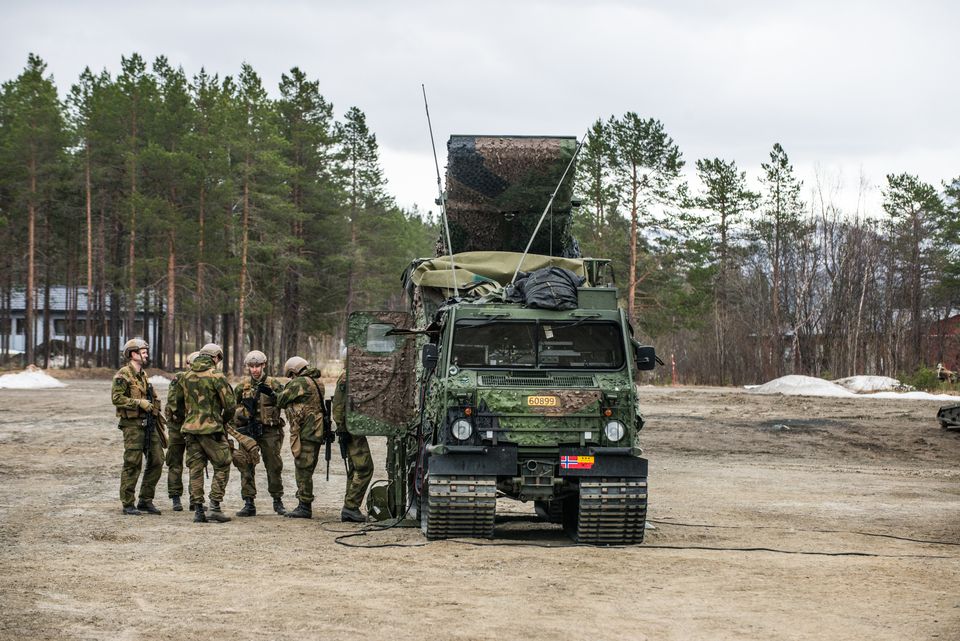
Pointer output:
x,y
949,417
460,506
612,511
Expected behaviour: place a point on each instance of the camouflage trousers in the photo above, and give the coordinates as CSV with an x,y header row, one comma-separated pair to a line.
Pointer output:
x,y
200,449
174,461
359,470
133,455
305,464
270,444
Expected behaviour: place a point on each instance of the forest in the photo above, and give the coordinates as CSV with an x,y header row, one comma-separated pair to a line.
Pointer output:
x,y
259,219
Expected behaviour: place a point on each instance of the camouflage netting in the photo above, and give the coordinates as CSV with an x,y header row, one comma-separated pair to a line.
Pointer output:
x,y
497,188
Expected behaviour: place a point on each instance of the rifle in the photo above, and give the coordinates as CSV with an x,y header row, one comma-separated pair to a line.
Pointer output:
x,y
151,425
253,428
328,436
344,439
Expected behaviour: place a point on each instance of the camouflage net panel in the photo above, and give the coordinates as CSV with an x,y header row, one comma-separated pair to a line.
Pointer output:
x,y
497,188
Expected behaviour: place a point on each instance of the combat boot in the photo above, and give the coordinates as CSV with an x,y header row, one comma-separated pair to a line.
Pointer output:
x,y
278,506
350,515
129,510
216,514
199,515
303,511
177,505
248,509
148,507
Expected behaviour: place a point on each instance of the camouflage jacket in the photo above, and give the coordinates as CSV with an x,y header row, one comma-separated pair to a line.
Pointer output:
x,y
174,410
302,398
206,396
339,405
128,388
267,410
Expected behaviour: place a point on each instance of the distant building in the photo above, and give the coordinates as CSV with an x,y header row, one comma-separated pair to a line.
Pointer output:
x,y
943,343
13,320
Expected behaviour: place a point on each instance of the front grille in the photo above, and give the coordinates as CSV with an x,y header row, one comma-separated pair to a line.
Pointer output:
x,y
568,380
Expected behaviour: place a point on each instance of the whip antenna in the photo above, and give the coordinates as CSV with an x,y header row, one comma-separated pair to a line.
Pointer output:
x,y
547,208
442,200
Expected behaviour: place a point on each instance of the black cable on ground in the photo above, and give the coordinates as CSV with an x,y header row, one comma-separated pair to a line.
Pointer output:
x,y
772,527
341,540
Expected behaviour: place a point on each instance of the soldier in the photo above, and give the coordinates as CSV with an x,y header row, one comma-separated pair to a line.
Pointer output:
x,y
360,463
302,398
135,399
175,448
258,417
208,404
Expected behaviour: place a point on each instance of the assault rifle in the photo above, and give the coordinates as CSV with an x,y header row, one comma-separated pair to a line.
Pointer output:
x,y
253,428
344,439
328,435
152,423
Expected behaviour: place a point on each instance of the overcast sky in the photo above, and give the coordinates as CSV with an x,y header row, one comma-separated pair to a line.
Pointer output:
x,y
845,87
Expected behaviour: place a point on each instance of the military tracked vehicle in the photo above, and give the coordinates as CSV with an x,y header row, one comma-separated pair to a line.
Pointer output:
x,y
949,417
494,386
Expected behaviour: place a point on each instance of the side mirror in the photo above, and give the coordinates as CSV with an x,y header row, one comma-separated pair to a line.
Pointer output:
x,y
429,357
646,357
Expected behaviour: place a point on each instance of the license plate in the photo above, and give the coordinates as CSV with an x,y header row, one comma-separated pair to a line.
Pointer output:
x,y
543,401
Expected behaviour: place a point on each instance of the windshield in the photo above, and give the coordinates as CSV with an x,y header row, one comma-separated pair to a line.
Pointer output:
x,y
532,344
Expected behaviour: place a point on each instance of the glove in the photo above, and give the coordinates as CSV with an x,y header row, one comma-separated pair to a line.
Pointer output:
x,y
145,405
263,388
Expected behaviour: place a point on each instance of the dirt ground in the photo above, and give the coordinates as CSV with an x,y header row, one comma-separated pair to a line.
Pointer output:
x,y
775,518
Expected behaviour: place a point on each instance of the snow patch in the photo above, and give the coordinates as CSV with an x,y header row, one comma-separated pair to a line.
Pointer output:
x,y
159,381
30,378
861,384
795,385
915,396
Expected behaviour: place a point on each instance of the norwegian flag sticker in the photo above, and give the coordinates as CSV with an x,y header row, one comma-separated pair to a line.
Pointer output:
x,y
576,462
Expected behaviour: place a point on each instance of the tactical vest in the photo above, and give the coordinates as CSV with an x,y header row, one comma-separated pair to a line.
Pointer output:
x,y
267,410
135,392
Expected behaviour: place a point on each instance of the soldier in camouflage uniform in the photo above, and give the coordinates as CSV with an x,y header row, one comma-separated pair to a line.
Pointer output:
x,y
175,446
209,404
135,398
302,398
360,463
257,399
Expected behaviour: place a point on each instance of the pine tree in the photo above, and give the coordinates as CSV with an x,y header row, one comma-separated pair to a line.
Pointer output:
x,y
915,211
306,121
365,192
780,221
31,118
727,198
596,189
647,166
262,177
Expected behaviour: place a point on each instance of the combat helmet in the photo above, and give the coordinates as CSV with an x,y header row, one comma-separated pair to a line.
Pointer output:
x,y
255,357
134,345
192,357
294,366
212,350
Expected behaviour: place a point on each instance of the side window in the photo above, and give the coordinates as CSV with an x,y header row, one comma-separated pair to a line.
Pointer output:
x,y
377,339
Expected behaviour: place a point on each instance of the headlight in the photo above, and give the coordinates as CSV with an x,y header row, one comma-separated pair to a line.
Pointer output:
x,y
614,431
461,429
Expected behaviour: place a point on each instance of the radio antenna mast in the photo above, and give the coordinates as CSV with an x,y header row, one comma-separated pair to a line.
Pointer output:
x,y
442,201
